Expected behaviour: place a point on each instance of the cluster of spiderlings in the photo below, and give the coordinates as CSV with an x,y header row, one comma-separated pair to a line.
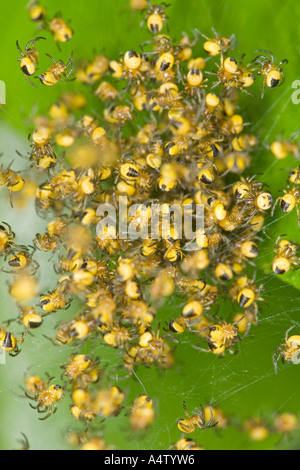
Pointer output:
x,y
283,424
256,428
57,26
168,131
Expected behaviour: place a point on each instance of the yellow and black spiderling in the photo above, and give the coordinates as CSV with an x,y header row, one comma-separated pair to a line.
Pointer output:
x,y
29,58
57,72
155,17
272,74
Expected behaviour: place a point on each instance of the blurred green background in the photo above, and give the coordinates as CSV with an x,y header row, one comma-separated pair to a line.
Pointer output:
x,y
243,385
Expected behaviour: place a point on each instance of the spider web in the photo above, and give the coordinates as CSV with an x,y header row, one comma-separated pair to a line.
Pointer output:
x,y
243,385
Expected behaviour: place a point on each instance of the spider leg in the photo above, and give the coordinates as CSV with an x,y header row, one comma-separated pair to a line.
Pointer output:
x,y
33,41
261,59
67,80
266,52
283,78
215,84
45,417
19,49
288,331
284,61
34,407
31,83
52,58
201,34
298,215
70,61
263,89
15,353
201,349
210,425
275,204
276,357
42,409
247,92
29,396
185,410
10,199
207,72
211,420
